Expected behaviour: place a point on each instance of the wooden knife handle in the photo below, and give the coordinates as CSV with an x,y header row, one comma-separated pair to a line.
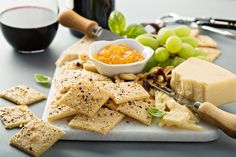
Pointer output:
x,y
71,19
217,117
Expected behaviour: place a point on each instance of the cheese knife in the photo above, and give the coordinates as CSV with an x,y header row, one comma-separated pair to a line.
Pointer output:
x,y
205,110
71,19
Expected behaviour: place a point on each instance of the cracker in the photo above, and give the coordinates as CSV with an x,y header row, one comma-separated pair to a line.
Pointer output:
x,y
138,110
36,137
104,84
102,122
59,95
212,53
206,41
85,98
22,95
126,91
15,116
59,111
66,80
111,104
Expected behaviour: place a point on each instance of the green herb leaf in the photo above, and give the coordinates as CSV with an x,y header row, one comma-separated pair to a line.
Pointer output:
x,y
134,30
156,113
116,22
40,78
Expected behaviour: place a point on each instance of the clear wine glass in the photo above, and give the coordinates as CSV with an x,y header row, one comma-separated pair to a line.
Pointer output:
x,y
29,26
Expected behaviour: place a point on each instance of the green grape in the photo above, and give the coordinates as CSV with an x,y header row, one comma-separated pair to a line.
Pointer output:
x,y
161,54
173,44
202,58
182,31
177,60
166,63
164,34
199,52
190,40
151,63
186,51
148,40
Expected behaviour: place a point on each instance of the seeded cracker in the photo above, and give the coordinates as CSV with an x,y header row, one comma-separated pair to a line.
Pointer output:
x,y
85,98
206,41
59,95
22,95
59,111
102,122
138,110
126,91
15,116
66,80
111,104
36,137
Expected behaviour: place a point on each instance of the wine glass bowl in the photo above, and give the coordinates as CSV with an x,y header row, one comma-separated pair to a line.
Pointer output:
x,y
30,27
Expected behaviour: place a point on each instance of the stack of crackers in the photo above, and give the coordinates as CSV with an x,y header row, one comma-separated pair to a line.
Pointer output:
x,y
36,136
96,103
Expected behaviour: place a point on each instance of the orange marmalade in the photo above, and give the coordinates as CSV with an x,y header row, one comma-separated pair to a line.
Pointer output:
x,y
118,54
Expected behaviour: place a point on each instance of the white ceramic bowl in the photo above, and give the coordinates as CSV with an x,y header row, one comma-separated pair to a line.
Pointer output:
x,y
115,69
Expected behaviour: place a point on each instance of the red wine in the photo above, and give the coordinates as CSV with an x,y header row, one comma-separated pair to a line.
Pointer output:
x,y
29,28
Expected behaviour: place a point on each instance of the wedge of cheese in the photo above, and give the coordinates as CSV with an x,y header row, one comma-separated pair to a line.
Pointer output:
x,y
204,81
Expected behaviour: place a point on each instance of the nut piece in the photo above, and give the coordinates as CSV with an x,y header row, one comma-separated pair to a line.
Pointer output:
x,y
83,56
90,66
160,79
117,79
154,69
66,58
128,77
139,77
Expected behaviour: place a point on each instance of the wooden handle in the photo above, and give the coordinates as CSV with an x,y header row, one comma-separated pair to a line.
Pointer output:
x,y
215,116
71,19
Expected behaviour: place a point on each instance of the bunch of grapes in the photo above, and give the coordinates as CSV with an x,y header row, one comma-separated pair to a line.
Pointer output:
x,y
171,46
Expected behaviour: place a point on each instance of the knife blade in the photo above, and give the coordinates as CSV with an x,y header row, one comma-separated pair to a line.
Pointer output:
x,y
71,19
108,35
205,110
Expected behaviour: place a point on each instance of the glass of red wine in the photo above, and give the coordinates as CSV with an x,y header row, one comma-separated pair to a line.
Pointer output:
x,y
30,26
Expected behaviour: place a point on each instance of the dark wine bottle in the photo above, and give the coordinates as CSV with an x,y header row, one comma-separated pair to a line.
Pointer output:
x,y
97,10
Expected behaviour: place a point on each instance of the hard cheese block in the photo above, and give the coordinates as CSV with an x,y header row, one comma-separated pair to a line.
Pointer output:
x,y
203,81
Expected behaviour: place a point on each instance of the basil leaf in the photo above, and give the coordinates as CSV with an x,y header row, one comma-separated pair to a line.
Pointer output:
x,y
156,113
134,30
116,22
40,78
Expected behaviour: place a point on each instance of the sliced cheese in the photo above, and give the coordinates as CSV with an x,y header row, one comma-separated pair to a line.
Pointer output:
x,y
204,81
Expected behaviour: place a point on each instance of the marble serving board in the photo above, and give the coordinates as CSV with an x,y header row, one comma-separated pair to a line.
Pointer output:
x,y
128,129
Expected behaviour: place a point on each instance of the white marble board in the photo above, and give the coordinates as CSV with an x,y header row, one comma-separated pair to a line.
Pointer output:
x,y
130,130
